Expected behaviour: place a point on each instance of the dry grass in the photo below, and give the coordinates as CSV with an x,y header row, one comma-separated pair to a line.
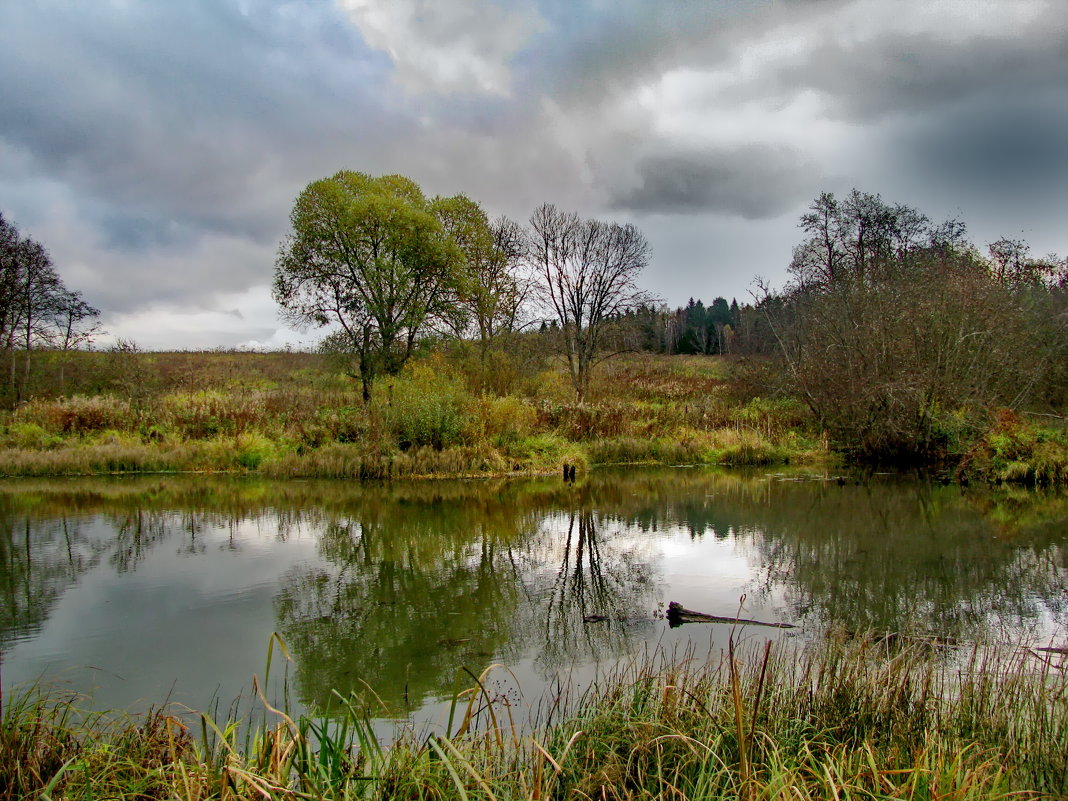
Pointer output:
x,y
285,415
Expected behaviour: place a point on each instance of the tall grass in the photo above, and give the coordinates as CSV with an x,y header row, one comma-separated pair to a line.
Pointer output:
x,y
1015,451
837,720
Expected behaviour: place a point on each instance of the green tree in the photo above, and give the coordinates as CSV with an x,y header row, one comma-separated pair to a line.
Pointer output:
x,y
719,322
370,256
492,298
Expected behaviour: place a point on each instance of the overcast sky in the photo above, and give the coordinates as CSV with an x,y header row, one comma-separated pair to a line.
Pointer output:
x,y
156,146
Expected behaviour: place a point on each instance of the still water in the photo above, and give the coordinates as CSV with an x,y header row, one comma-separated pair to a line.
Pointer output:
x,y
136,591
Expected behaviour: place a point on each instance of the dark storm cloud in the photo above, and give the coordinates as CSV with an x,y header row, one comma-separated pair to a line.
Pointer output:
x,y
752,181
156,147
1018,147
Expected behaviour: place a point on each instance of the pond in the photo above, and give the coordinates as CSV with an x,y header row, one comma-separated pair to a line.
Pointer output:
x,y
140,590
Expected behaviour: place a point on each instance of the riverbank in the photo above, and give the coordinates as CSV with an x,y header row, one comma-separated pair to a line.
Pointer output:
x,y
846,718
292,415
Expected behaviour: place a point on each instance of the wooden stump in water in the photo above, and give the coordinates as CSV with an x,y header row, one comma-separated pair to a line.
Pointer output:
x,y
677,614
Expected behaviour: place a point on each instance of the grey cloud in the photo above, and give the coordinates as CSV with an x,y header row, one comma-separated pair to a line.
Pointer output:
x,y
924,72
172,137
753,182
592,51
134,233
181,107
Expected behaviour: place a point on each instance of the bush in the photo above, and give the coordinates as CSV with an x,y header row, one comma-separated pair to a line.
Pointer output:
x,y
253,449
30,436
545,453
502,421
426,406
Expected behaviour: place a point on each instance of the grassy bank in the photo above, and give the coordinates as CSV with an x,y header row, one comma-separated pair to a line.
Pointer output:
x,y
841,720
294,415
285,415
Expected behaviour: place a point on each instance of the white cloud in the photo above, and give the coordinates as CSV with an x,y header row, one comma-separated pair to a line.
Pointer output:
x,y
246,319
446,45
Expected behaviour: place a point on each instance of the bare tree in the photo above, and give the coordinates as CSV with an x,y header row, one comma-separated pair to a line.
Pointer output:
x,y
900,336
36,308
587,273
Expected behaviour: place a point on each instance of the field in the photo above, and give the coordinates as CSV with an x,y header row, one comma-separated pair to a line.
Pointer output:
x,y
449,413
290,414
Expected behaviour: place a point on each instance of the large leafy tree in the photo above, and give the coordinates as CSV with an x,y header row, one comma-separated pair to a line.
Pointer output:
x,y
370,256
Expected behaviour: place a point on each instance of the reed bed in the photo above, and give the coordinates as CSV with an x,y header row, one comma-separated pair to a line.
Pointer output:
x,y
845,719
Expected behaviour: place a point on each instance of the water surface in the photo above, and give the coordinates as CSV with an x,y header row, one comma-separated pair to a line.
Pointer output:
x,y
139,590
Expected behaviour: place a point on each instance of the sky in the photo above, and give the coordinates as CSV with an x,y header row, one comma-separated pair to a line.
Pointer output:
x,y
156,147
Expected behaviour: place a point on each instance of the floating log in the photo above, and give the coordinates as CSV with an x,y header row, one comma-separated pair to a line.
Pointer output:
x,y
1053,650
677,614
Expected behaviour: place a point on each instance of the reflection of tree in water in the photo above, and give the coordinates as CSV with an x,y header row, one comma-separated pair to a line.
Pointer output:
x,y
599,595
136,533
423,579
887,554
44,552
422,586
905,556
417,590
39,560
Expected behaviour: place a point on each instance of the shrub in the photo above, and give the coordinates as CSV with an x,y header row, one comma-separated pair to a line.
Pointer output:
x,y
427,405
544,453
30,436
253,449
505,420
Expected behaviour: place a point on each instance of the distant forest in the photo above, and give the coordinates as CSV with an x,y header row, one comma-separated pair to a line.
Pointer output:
x,y
693,329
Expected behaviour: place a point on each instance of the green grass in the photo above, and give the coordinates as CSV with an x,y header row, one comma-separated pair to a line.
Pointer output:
x,y
291,413
841,719
1018,451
